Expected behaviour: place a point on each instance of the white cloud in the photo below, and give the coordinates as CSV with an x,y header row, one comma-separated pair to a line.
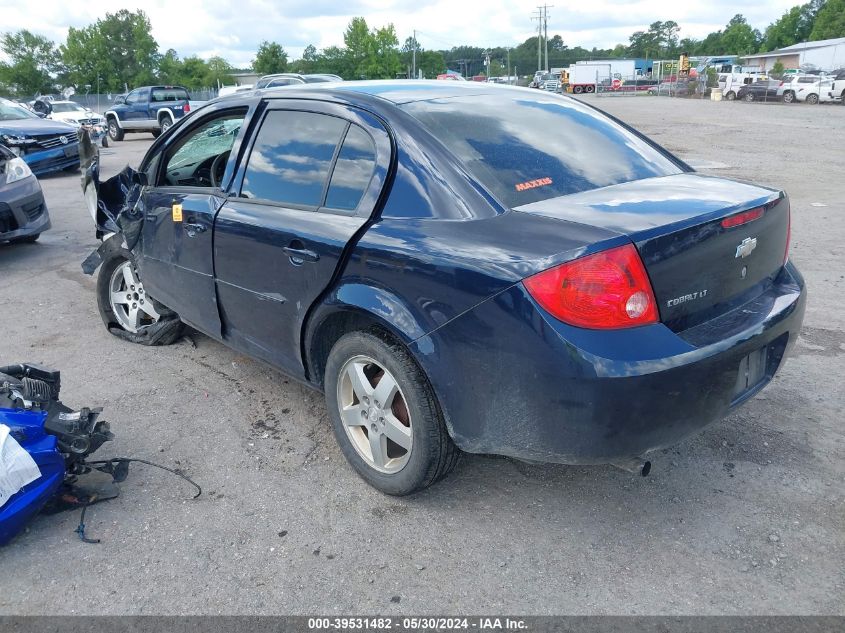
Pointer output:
x,y
234,29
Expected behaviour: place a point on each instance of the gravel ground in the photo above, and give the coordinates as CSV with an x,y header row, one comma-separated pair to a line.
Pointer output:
x,y
745,518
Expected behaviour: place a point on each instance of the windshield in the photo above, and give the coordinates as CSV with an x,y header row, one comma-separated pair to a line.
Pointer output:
x,y
527,147
12,112
67,107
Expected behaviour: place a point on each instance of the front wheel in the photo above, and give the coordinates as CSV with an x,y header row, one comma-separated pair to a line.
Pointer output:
x,y
385,416
749,98
127,310
812,99
730,96
788,97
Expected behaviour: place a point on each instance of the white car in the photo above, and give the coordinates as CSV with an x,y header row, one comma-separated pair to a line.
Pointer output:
x,y
818,91
73,113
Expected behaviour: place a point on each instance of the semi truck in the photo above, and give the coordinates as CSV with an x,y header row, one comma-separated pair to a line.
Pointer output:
x,y
585,76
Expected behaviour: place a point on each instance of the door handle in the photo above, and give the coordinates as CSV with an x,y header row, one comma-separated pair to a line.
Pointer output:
x,y
194,228
300,255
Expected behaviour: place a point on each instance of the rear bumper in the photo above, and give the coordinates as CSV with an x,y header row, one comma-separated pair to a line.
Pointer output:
x,y
513,380
23,211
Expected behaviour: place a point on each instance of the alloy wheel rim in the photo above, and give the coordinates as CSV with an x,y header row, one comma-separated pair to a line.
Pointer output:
x,y
375,414
131,306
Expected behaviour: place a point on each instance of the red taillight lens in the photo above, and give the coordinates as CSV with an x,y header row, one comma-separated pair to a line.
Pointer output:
x,y
742,218
187,108
606,290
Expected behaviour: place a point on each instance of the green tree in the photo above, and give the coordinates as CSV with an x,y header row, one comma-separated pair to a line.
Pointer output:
x,y
382,60
739,38
118,48
170,68
33,62
777,70
219,73
661,40
830,21
270,58
792,27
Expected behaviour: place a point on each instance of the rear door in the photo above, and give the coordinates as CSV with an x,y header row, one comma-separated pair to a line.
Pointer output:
x,y
309,182
176,263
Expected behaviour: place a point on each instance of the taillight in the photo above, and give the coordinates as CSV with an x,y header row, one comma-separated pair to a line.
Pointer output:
x,y
606,290
187,108
739,219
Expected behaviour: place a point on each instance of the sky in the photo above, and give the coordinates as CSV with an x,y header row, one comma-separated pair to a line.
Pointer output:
x,y
233,29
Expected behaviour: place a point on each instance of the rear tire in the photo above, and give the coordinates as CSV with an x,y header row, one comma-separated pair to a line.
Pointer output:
x,y
166,122
590,89
155,324
730,96
748,98
812,99
578,89
364,427
115,131
789,97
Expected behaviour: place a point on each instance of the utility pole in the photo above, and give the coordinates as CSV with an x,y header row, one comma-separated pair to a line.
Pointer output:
x,y
539,18
509,65
415,55
543,26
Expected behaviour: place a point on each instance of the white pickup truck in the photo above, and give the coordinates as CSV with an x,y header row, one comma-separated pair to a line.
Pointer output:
x,y
837,88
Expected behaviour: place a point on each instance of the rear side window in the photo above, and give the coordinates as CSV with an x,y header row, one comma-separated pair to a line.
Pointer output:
x,y
161,95
526,148
353,170
291,157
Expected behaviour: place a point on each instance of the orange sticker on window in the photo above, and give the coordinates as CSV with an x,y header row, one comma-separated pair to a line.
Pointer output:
x,y
533,184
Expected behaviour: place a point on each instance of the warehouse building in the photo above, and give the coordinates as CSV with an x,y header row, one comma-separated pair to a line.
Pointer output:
x,y
821,55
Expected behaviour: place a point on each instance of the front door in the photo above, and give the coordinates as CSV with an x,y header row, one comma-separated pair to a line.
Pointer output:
x,y
176,264
309,183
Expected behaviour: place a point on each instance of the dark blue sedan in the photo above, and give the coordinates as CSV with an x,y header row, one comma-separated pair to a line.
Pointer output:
x,y
459,267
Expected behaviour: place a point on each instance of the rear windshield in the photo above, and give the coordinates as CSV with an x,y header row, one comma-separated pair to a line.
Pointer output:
x,y
169,94
526,148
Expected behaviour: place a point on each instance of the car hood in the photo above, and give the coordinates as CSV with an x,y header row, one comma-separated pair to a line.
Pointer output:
x,y
74,117
35,126
632,207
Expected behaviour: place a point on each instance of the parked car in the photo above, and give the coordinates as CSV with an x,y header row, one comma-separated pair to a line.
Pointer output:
x,y
837,87
148,109
45,145
435,258
792,83
82,118
23,212
815,92
671,88
762,90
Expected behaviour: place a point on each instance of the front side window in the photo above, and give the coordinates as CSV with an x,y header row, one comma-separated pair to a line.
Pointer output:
x,y
133,97
200,158
291,157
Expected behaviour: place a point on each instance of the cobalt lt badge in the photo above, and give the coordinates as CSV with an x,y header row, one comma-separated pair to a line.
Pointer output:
x,y
745,247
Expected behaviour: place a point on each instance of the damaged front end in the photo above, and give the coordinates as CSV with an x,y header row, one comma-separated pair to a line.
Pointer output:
x,y
43,443
115,205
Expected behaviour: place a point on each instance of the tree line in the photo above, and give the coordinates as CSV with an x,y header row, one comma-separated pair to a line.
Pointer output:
x,y
118,52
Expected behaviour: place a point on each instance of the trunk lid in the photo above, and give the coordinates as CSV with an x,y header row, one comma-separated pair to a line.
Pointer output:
x,y
698,265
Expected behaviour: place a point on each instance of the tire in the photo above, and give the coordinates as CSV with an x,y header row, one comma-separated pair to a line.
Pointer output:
x,y
842,96
156,133
164,329
115,131
105,141
429,454
590,89
748,98
789,97
730,96
578,89
812,99
166,122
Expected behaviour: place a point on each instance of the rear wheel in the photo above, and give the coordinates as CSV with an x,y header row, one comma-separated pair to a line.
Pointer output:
x,y
126,309
730,96
166,123
590,89
115,131
385,416
578,89
812,99
789,97
749,98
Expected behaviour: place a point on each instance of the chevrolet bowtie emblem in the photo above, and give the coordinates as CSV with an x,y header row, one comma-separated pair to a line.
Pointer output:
x,y
746,246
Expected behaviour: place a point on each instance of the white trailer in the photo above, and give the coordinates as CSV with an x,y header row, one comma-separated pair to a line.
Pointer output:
x,y
584,76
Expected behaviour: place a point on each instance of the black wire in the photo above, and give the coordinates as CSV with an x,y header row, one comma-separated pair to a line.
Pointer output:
x,y
117,460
